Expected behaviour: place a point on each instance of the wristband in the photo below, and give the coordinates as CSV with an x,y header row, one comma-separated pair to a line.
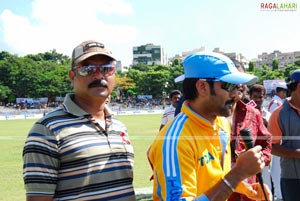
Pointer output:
x,y
228,184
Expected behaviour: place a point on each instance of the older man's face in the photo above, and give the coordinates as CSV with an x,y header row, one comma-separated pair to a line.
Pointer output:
x,y
93,78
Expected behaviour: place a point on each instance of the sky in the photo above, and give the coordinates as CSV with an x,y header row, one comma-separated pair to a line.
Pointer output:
x,y
37,26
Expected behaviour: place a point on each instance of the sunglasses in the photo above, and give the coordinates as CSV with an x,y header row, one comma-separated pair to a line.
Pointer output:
x,y
228,86
225,85
106,69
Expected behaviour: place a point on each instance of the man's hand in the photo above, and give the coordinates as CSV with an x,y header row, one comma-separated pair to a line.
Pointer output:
x,y
249,162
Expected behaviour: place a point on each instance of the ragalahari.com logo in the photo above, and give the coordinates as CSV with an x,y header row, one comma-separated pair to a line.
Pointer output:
x,y
284,6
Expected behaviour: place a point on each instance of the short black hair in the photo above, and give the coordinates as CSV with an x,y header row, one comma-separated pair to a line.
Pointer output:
x,y
174,92
189,88
257,88
279,89
292,86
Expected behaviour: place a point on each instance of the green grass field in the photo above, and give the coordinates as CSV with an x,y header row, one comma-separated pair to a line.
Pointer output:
x,y
142,130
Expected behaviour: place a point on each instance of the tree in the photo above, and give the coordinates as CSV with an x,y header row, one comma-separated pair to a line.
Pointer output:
x,y
251,66
297,63
289,69
4,92
33,76
176,62
53,82
46,75
175,72
125,86
5,55
141,67
50,56
275,65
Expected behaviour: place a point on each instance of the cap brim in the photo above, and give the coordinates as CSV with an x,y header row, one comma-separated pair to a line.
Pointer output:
x,y
179,78
281,85
239,78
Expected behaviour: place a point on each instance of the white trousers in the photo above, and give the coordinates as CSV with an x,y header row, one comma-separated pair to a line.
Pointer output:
x,y
275,174
266,176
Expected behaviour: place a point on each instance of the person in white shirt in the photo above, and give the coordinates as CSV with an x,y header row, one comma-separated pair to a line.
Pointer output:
x,y
277,100
170,111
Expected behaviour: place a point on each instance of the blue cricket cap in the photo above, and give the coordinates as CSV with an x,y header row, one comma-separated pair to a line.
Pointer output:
x,y
295,76
211,65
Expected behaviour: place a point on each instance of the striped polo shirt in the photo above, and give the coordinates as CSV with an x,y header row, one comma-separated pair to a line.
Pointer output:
x,y
69,156
168,115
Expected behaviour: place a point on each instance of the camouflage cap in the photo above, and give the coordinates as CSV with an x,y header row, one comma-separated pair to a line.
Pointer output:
x,y
87,49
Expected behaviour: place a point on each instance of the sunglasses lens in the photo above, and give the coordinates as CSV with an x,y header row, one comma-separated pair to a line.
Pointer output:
x,y
228,86
107,69
86,70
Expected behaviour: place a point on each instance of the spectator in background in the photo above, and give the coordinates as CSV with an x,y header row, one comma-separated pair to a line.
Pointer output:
x,y
257,93
246,116
277,100
170,111
181,100
78,152
284,124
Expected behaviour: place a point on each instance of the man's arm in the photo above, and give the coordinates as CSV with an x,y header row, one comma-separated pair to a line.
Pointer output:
x,y
248,164
264,139
281,151
164,120
275,104
40,167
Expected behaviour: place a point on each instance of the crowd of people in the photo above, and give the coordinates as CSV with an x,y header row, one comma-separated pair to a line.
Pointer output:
x,y
216,141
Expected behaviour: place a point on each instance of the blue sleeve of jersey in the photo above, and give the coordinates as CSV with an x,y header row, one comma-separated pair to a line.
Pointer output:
x,y
179,105
202,197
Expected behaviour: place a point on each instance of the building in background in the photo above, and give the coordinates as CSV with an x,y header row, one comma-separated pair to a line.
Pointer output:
x,y
283,58
234,55
120,67
149,54
186,53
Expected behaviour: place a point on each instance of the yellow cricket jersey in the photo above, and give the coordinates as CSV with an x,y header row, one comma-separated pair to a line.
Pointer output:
x,y
188,157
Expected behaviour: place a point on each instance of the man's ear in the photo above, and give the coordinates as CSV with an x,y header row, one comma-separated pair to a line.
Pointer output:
x,y
202,88
71,75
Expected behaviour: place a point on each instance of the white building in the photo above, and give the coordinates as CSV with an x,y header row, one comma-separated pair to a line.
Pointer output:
x,y
120,67
232,55
149,54
283,58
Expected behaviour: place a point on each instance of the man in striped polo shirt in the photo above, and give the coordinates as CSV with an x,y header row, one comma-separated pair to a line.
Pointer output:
x,y
79,152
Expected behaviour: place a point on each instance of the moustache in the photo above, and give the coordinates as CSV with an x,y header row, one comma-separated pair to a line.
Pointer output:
x,y
98,83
